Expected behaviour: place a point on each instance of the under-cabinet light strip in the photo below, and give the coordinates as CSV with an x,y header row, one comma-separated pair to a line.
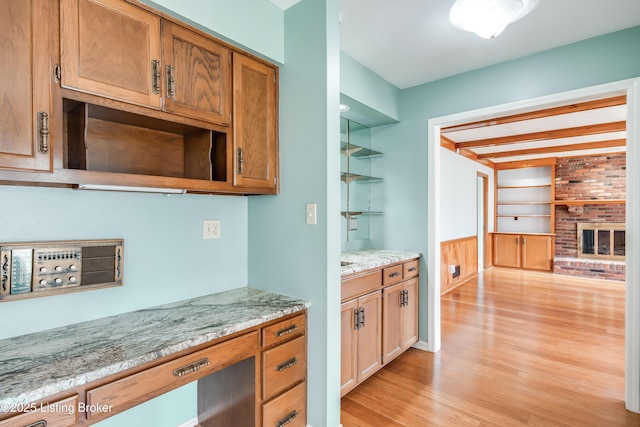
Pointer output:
x,y
132,189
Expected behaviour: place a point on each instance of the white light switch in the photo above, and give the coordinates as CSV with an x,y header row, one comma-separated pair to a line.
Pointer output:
x,y
311,213
211,229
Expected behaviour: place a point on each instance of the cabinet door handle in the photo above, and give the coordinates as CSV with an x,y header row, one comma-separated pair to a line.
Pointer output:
x,y
155,73
286,331
356,319
361,317
524,240
288,419
193,367
171,82
286,365
396,274
43,130
41,423
240,160
406,298
518,240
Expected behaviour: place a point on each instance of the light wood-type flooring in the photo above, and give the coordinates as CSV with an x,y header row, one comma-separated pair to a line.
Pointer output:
x,y
518,349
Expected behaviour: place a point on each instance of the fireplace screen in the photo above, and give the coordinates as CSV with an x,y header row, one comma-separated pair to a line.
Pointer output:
x,y
601,240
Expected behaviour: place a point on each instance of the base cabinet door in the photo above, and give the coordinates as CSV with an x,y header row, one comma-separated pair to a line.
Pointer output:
x,y
25,31
507,250
361,340
409,313
392,323
536,252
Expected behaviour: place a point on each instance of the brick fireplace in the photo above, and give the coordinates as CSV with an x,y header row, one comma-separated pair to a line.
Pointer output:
x,y
594,189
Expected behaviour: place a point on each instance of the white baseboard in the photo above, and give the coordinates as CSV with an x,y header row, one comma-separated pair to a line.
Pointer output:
x,y
421,345
191,423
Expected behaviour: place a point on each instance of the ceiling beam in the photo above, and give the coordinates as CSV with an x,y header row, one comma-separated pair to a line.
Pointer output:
x,y
546,135
565,109
556,149
447,143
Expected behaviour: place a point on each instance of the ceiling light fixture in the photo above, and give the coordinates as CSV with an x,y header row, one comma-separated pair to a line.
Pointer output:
x,y
344,107
486,18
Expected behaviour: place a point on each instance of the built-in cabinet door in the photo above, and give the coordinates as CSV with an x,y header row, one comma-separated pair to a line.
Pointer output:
x,y
197,75
536,252
506,250
370,335
25,34
349,347
410,313
111,48
255,124
392,322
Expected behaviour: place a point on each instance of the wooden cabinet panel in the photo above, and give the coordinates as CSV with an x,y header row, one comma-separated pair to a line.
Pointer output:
x,y
410,269
370,335
392,275
137,388
197,75
353,287
410,313
283,331
25,34
536,252
506,250
108,48
63,413
255,123
287,409
348,347
392,326
284,366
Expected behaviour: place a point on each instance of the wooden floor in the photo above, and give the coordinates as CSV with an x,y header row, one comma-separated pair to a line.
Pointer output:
x,y
518,349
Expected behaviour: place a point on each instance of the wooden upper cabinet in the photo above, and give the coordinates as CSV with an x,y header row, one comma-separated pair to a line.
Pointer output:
x,y
255,124
197,75
111,48
25,35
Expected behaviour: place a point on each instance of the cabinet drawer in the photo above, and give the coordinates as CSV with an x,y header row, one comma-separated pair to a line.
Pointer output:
x,y
392,275
137,388
287,409
283,366
361,285
283,331
410,269
62,413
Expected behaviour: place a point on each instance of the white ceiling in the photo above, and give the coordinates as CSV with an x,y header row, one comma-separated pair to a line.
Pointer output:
x,y
410,42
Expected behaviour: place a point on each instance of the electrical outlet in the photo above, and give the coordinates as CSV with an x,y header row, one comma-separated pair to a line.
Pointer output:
x,y
211,229
311,213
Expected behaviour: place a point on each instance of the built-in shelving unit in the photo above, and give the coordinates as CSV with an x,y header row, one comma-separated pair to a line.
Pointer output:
x,y
358,184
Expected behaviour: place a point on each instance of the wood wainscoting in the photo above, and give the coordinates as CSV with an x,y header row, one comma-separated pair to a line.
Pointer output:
x,y
462,252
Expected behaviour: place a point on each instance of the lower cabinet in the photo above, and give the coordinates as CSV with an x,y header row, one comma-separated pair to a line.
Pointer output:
x,y
379,320
527,251
400,314
361,339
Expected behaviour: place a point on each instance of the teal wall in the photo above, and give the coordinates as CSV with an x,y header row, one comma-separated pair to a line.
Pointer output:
x,y
603,59
256,25
285,254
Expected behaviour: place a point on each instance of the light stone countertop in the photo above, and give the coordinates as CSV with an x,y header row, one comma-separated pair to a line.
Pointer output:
x,y
364,259
41,364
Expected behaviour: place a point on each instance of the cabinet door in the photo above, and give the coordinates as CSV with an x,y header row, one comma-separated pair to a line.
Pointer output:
x,y
370,335
255,124
536,252
410,313
108,48
506,250
197,79
392,322
25,33
349,347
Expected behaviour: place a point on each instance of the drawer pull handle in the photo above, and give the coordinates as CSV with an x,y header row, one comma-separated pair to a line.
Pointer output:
x,y
286,365
396,274
288,419
412,269
41,423
286,331
191,367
